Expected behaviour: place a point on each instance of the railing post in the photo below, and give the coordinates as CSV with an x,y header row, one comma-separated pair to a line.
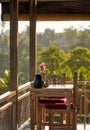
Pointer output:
x,y
75,99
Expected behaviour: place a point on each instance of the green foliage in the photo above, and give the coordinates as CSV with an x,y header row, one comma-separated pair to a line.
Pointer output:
x,y
67,40
84,74
23,58
68,71
46,38
23,70
78,57
62,52
4,82
4,62
53,57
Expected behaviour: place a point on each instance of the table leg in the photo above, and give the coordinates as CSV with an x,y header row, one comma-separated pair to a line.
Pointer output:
x,y
38,114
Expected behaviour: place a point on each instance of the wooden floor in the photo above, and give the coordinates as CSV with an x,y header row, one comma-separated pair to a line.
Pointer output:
x,y
26,126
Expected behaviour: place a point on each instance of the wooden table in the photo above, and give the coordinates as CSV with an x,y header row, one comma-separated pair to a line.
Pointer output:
x,y
50,91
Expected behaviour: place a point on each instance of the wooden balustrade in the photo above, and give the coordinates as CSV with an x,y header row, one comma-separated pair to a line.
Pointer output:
x,y
7,102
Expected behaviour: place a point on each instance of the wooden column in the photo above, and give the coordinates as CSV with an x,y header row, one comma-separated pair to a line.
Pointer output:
x,y
14,58
33,44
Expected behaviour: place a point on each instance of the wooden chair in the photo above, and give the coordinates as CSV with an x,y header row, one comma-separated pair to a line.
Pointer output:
x,y
70,123
54,79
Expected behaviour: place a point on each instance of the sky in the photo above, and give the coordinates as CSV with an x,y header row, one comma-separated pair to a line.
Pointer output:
x,y
53,25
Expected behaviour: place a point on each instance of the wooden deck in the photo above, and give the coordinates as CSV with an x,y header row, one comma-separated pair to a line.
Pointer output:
x,y
26,126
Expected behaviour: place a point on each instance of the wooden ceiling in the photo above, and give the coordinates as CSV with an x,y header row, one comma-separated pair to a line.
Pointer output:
x,y
51,10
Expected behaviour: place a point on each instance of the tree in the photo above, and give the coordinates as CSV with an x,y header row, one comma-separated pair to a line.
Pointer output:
x,y
84,39
70,36
4,62
79,57
53,57
47,38
23,58
84,74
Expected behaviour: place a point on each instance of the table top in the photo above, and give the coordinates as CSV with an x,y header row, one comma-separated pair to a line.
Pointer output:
x,y
53,90
56,86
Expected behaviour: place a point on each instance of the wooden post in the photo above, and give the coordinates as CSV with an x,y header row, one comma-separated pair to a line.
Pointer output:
x,y
75,87
14,59
33,45
75,100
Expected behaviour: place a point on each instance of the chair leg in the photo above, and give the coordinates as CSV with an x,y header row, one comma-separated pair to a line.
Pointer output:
x,y
50,119
63,118
43,116
70,117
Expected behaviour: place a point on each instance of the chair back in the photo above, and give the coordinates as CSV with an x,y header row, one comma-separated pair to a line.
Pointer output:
x,y
56,79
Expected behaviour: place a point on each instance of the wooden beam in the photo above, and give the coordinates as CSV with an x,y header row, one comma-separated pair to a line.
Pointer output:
x,y
33,44
62,17
14,59
52,10
52,17
37,0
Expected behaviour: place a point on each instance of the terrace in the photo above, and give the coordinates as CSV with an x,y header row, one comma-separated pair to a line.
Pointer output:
x,y
23,111
16,102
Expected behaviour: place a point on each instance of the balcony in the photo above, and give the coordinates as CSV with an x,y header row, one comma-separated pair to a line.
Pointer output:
x,y
18,107
15,105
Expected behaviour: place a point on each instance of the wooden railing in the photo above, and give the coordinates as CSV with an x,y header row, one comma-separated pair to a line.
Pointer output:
x,y
83,101
8,102
8,108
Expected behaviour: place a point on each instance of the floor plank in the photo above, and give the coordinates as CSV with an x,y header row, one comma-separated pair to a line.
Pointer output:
x,y
26,126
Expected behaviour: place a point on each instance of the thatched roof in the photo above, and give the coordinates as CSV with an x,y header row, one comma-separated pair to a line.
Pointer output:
x,y
51,10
